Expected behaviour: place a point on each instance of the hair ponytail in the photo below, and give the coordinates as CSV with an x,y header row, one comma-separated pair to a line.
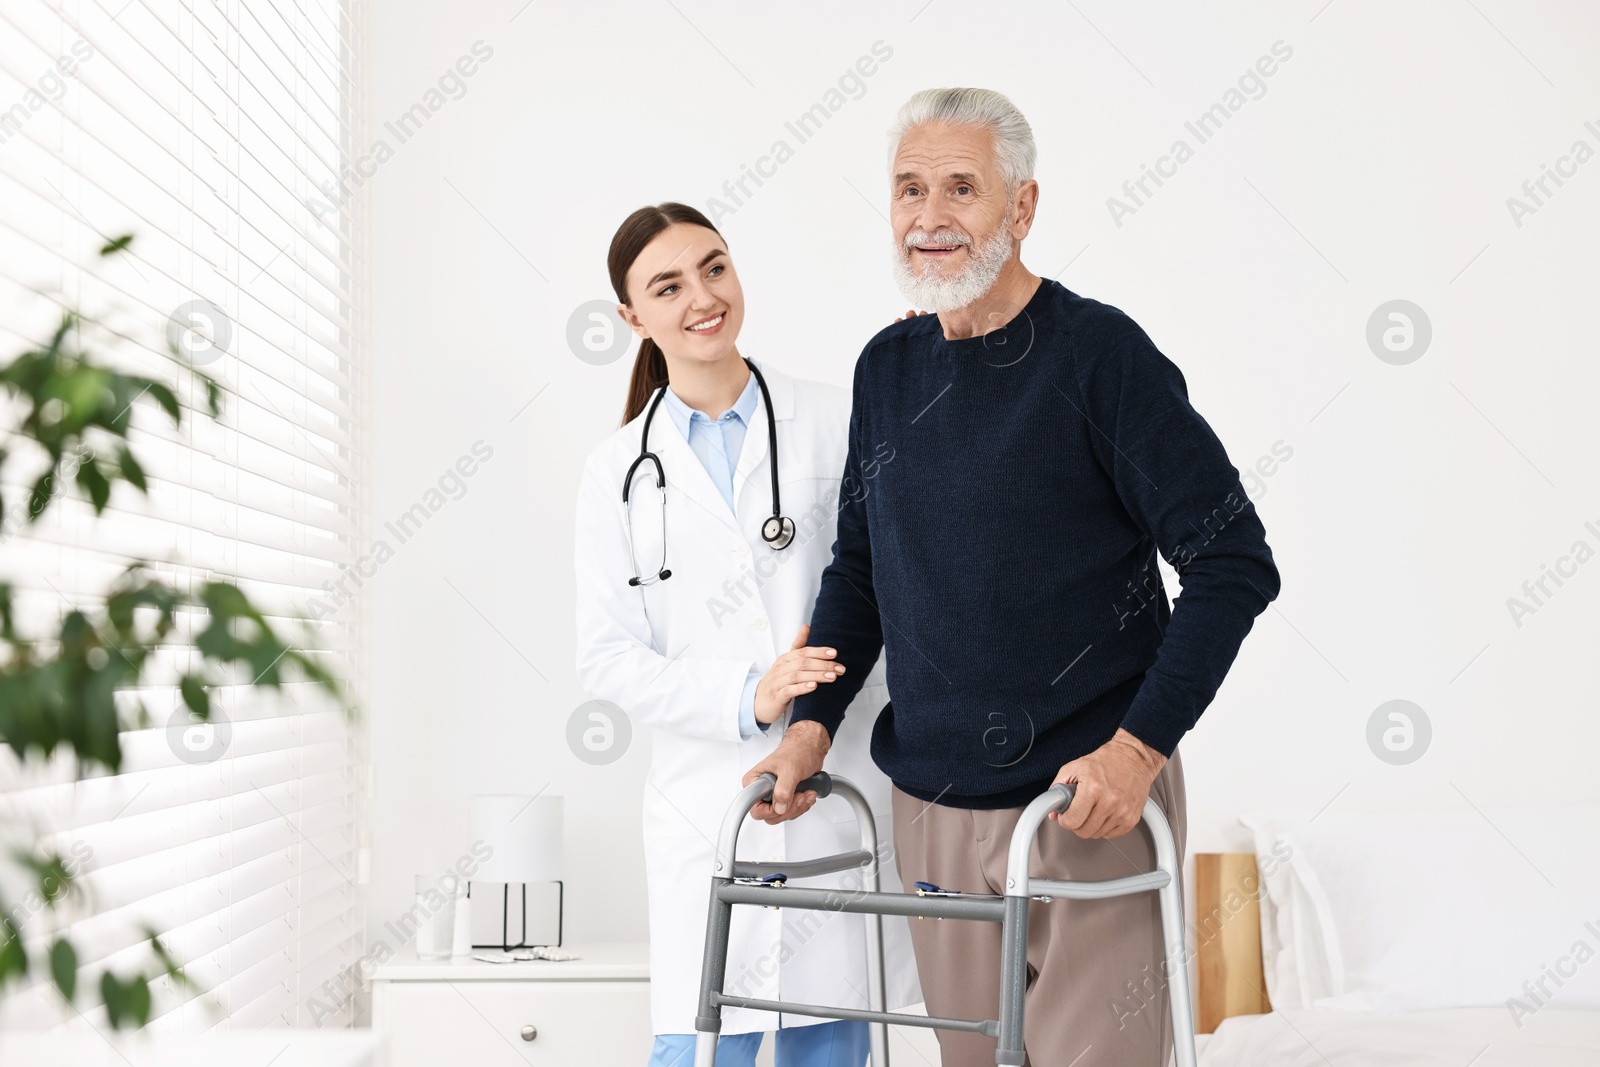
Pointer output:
x,y
649,374
636,231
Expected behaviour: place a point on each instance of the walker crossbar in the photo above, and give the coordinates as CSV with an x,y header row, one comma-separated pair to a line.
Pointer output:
x,y
801,868
1010,910
899,1018
1111,887
991,909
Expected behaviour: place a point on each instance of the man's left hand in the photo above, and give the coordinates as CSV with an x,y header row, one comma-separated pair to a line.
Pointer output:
x,y
1112,784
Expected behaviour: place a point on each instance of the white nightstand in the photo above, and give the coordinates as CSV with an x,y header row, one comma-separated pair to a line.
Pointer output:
x,y
595,1010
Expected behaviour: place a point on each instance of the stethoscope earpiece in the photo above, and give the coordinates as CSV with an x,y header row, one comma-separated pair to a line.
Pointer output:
x,y
777,531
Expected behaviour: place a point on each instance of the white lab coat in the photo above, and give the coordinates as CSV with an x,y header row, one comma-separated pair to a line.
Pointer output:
x,y
674,655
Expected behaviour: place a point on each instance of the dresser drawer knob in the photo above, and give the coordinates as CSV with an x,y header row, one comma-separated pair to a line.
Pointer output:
x,y
529,1033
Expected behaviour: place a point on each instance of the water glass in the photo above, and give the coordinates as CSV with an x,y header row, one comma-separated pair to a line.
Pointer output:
x,y
435,913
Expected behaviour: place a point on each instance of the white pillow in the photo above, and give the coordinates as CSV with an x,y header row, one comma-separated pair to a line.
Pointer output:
x,y
1408,911
1293,952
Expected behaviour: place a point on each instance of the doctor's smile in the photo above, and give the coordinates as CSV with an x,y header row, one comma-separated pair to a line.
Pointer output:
x,y
711,325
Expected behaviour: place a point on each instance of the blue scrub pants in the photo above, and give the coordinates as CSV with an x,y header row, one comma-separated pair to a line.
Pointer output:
x,y
835,1044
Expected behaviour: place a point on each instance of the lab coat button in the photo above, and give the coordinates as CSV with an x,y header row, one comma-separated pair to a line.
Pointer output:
x,y
760,623
742,550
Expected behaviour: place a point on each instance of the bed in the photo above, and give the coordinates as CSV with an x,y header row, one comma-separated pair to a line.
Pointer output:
x,y
1437,938
1447,1037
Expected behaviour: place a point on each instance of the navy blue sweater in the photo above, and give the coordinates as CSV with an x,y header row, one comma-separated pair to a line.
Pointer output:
x,y
1003,500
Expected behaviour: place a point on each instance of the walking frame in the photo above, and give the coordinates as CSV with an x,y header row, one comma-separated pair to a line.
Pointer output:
x,y
739,882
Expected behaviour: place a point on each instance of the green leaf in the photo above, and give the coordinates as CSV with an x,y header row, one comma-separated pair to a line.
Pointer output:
x,y
87,391
44,490
117,244
126,1000
13,960
138,1004
7,621
130,469
120,401
64,968
50,871
226,601
168,402
265,656
100,728
94,482
115,999
195,695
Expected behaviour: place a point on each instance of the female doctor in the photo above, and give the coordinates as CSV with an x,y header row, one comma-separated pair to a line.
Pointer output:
x,y
688,595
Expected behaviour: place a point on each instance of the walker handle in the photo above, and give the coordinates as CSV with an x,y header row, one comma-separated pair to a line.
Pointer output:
x,y
822,782
1067,790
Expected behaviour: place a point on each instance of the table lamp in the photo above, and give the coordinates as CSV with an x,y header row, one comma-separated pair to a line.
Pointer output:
x,y
524,834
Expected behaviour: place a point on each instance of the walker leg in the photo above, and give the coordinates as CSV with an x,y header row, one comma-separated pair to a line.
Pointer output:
x,y
877,996
713,969
1172,932
878,1034
1013,981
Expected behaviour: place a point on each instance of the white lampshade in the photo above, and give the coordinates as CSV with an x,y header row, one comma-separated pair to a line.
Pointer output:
x,y
524,833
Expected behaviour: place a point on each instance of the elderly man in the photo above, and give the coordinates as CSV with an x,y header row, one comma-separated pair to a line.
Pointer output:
x,y
1014,464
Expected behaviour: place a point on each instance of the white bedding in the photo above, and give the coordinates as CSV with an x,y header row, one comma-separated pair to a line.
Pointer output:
x,y
1451,1037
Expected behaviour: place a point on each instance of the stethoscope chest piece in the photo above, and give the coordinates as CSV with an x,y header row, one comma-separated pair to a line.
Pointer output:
x,y
778,531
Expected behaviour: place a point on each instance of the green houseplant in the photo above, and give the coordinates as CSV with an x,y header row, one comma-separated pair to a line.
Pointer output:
x,y
76,688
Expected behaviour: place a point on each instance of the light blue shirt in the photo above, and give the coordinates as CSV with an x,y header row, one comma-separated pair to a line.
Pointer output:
x,y
717,443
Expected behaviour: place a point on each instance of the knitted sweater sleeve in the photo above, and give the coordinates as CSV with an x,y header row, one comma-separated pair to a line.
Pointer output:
x,y
845,616
1173,475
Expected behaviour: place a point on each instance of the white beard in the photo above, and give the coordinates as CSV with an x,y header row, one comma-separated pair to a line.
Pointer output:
x,y
930,292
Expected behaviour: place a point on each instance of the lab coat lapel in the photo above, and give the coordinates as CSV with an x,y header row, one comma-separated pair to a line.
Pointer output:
x,y
686,474
754,450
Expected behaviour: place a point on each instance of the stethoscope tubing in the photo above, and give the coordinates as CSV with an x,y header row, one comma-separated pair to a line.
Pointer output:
x,y
777,530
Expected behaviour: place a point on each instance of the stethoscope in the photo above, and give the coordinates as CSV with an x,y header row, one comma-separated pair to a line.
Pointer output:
x,y
777,531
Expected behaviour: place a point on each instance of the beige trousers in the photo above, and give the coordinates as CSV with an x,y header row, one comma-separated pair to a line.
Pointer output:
x,y
1097,995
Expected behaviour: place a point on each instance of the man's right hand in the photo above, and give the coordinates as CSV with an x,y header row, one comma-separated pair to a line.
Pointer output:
x,y
798,756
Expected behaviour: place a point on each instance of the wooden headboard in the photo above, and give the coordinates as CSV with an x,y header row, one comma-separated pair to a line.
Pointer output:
x,y
1227,930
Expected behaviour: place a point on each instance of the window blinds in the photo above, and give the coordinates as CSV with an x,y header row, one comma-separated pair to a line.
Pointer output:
x,y
215,134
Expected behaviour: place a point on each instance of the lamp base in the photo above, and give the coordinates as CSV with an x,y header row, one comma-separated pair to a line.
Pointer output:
x,y
510,915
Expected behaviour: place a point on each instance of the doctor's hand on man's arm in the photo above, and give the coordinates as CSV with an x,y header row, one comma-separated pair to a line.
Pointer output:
x,y
799,670
1112,784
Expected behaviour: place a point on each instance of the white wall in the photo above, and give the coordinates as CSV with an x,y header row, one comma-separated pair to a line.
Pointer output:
x,y
1376,166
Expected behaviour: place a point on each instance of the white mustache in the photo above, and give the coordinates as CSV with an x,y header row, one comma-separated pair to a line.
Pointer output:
x,y
923,237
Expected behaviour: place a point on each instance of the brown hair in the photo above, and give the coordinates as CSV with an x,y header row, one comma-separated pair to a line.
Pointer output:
x,y
636,231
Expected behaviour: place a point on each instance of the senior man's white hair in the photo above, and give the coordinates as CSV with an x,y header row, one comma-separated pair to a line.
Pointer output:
x,y
1013,137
